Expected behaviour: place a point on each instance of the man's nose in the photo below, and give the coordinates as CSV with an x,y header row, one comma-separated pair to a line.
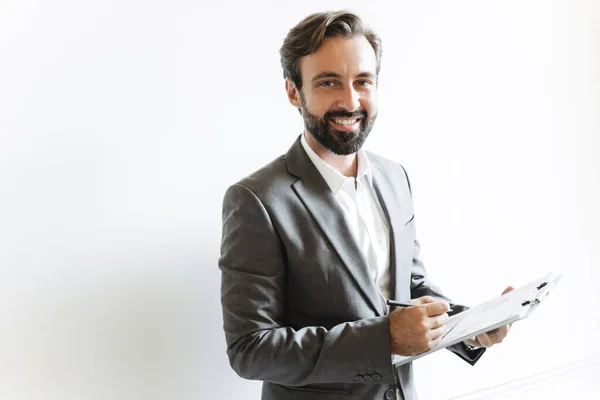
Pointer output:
x,y
349,99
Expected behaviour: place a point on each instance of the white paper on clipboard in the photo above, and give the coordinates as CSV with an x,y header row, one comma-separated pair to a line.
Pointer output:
x,y
508,308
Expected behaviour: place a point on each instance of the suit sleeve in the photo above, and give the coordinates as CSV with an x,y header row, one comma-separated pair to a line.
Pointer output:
x,y
421,286
259,343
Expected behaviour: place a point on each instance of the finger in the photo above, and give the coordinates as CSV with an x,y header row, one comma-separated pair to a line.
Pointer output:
x,y
498,335
485,340
437,333
508,289
437,308
437,321
423,300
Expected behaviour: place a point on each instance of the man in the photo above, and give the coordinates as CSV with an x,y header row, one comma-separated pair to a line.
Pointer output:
x,y
314,242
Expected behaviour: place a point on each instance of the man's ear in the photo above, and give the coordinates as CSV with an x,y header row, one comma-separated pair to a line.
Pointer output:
x,y
293,93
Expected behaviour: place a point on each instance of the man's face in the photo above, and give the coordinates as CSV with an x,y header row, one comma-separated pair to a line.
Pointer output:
x,y
338,98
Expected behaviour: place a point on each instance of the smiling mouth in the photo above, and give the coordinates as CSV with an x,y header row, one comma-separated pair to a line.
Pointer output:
x,y
346,124
346,121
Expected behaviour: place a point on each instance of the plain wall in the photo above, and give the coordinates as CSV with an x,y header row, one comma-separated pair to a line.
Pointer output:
x,y
123,122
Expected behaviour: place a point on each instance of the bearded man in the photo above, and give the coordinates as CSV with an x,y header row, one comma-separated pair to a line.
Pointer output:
x,y
316,241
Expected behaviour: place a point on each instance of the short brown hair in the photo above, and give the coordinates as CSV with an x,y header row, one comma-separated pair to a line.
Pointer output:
x,y
306,37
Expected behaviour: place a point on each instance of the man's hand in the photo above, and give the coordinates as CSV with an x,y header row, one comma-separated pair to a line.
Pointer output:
x,y
414,330
490,338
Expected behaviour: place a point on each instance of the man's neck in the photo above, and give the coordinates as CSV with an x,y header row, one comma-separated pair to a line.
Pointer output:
x,y
345,165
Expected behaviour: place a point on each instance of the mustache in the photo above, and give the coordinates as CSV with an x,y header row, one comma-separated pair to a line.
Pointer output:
x,y
345,114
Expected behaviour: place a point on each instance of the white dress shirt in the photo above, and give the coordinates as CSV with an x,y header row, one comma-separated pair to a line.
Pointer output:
x,y
362,210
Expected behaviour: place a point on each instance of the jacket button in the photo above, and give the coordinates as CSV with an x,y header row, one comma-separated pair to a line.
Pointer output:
x,y
359,378
390,394
376,377
368,378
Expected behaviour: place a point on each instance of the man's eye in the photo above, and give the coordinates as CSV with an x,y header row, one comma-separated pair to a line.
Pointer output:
x,y
327,83
363,83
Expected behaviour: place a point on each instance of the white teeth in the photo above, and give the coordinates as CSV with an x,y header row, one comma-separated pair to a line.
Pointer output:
x,y
345,121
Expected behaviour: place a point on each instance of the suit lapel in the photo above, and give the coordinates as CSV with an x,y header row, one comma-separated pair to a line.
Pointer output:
x,y
312,189
390,205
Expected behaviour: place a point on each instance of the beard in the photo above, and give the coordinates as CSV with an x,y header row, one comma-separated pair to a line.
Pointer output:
x,y
338,142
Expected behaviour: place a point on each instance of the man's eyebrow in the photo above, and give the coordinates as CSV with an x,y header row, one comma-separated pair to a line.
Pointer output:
x,y
367,75
326,75
336,75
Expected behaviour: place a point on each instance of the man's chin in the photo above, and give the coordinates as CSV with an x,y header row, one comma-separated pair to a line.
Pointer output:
x,y
346,147
344,136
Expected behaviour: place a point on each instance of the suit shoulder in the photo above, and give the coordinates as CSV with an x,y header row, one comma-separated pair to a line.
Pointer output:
x,y
385,163
394,170
267,178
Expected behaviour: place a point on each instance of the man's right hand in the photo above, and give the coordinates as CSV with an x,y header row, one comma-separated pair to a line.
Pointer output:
x,y
414,330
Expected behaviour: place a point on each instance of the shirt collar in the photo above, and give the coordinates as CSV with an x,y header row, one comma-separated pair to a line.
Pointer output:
x,y
332,177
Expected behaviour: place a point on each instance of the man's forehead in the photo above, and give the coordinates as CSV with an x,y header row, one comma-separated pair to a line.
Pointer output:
x,y
342,56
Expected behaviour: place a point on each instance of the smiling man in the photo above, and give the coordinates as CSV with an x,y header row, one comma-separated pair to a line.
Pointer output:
x,y
314,242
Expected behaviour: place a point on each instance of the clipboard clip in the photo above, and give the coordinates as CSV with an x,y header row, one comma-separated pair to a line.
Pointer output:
x,y
533,302
542,291
535,299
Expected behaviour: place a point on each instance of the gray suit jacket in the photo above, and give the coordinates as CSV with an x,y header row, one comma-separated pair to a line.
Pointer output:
x,y
299,309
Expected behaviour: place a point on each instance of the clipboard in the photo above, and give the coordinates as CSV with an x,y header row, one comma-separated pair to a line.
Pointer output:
x,y
502,310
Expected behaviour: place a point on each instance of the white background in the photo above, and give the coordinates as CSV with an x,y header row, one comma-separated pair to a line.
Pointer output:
x,y
123,122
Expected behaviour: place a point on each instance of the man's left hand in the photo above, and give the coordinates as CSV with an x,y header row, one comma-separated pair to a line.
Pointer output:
x,y
490,338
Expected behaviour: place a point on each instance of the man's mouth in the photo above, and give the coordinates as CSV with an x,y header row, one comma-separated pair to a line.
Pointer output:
x,y
346,124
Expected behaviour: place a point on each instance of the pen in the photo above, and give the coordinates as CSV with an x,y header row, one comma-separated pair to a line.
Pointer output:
x,y
401,304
